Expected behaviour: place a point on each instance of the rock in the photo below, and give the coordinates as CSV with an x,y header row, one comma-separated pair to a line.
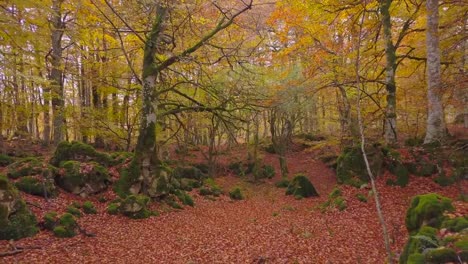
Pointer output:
x,y
24,167
78,151
301,187
351,168
427,209
16,221
37,185
83,178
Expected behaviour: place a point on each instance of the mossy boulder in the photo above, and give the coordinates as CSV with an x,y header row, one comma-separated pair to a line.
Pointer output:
x,y
188,172
37,185
427,209
82,178
456,224
236,194
425,238
73,210
184,198
441,255
78,151
351,168
89,208
50,220
133,206
16,221
66,226
24,167
283,183
301,187
210,188
401,173
5,160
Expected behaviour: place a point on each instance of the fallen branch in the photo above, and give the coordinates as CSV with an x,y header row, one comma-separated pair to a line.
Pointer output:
x,y
10,253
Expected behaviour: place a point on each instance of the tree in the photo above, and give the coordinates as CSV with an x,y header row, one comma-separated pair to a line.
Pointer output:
x,y
435,129
145,165
56,74
390,68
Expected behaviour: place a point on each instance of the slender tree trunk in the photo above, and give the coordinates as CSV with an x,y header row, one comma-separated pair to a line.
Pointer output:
x,y
56,75
435,129
390,67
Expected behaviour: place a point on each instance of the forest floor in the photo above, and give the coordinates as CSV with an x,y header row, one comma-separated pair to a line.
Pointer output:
x,y
266,227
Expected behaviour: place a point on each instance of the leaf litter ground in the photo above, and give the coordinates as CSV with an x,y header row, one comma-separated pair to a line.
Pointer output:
x,y
267,227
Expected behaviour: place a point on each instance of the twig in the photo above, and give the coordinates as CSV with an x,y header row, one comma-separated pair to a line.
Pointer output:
x,y
11,253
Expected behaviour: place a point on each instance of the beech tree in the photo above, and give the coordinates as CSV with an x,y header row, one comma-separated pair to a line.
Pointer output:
x,y
145,176
435,129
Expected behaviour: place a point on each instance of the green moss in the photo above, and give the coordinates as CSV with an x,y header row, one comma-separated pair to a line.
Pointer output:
x,y
462,244
424,239
456,224
67,220
301,186
184,198
236,194
5,160
89,208
441,255
36,186
211,188
283,183
361,197
416,258
402,174
128,177
336,192
16,223
60,231
351,168
75,176
121,157
427,209
188,172
50,220
24,167
172,203
268,171
113,208
414,141
135,206
443,180
78,151
427,169
73,210
340,203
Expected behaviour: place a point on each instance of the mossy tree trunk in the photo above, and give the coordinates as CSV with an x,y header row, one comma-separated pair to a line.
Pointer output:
x,y
390,68
145,162
435,130
56,74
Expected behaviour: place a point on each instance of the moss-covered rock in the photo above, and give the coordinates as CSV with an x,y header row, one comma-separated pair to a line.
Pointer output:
x,y
50,220
73,210
401,172
283,183
133,206
361,197
441,255
5,160
416,258
37,185
427,209
210,188
85,178
121,157
78,151
427,169
66,226
24,167
351,168
16,221
184,198
301,187
456,224
89,208
236,194
424,239
268,171
189,172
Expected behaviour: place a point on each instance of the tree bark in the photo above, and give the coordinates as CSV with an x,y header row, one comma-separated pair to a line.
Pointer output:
x,y
390,68
435,129
56,75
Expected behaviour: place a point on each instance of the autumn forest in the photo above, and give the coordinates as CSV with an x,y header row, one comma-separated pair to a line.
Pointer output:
x,y
233,131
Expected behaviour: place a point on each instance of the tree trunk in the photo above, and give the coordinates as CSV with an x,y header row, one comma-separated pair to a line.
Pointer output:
x,y
390,67
435,129
56,75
